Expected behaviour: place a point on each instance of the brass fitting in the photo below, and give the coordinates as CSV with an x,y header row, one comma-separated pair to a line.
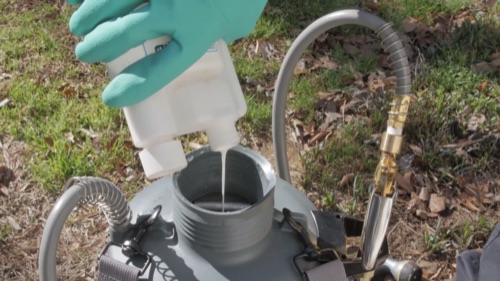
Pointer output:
x,y
398,112
390,146
385,175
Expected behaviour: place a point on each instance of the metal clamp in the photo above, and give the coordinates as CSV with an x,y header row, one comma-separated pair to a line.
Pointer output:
x,y
130,247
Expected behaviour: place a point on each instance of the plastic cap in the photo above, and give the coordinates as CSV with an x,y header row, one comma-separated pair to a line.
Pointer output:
x,y
163,159
223,135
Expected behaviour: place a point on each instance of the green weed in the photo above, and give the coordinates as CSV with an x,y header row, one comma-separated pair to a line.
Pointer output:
x,y
56,106
398,10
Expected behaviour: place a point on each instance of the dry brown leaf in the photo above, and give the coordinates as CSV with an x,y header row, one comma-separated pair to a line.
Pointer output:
x,y
13,223
347,179
376,84
351,49
416,150
404,183
111,143
74,246
432,215
49,141
475,121
120,171
437,203
318,137
473,190
439,27
69,91
372,6
482,67
329,119
6,175
495,63
421,214
411,203
482,86
333,116
429,268
300,68
390,83
466,201
409,25
495,55
331,107
487,201
325,96
348,119
309,129
265,49
469,205
4,191
355,78
327,63
128,144
436,275
349,105
424,194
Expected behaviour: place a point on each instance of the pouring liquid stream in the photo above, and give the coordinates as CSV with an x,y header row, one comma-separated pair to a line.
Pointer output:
x,y
223,191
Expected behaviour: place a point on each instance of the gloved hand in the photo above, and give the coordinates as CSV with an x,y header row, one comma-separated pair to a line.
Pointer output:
x,y
111,27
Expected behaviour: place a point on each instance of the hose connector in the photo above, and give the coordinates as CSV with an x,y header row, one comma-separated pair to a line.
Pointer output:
x,y
399,111
106,195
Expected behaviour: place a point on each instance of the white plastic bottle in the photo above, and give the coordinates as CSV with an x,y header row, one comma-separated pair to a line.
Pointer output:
x,y
206,97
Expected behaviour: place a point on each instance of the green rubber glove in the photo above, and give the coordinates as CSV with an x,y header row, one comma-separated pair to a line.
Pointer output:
x,y
111,27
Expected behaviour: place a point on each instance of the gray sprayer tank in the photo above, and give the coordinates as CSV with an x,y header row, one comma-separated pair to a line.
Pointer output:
x,y
194,241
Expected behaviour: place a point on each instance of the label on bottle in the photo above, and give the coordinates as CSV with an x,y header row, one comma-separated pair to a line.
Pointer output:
x,y
155,45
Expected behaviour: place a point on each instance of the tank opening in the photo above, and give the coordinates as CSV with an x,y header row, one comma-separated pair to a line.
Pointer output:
x,y
201,182
232,202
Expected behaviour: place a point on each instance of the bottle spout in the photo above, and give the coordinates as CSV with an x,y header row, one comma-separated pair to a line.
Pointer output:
x,y
222,134
375,227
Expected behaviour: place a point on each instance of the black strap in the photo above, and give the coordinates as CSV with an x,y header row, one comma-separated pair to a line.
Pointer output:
x,y
330,271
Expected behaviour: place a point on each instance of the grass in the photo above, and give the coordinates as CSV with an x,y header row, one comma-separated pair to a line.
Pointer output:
x,y
55,103
398,10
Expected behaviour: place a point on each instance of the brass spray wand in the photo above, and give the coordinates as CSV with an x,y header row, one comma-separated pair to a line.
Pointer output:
x,y
383,192
390,146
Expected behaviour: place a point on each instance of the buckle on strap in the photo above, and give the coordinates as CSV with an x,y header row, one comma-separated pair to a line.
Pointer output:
x,y
131,247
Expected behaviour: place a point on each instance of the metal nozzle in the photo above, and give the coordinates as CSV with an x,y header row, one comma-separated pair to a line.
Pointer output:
x,y
400,270
376,221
